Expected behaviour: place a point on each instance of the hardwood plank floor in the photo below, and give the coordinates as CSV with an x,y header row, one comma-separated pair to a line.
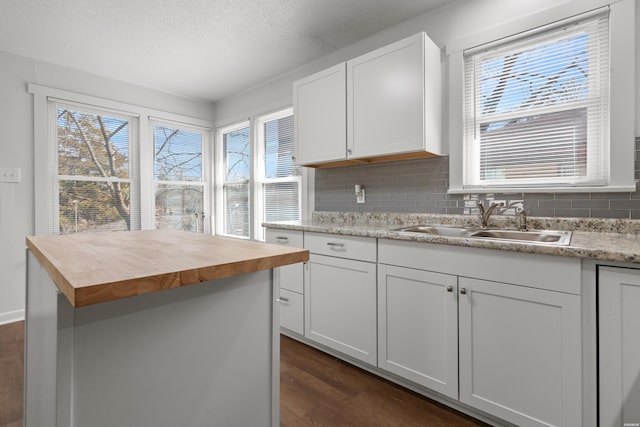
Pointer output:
x,y
11,373
316,389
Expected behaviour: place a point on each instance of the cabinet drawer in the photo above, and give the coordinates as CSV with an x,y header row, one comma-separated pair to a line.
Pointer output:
x,y
289,238
292,311
358,248
290,277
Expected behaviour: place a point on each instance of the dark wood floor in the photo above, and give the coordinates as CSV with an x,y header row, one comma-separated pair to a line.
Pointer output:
x,y
11,373
316,389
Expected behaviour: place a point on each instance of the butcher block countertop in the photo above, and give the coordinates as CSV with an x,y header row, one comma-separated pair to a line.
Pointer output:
x,y
92,268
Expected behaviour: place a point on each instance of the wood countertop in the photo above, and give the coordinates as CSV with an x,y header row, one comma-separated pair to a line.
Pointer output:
x,y
91,268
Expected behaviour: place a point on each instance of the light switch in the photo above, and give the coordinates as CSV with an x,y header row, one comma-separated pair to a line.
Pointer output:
x,y
9,174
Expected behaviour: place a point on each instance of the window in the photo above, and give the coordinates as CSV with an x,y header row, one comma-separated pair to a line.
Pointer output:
x,y
257,180
179,178
96,183
279,180
103,165
536,109
237,167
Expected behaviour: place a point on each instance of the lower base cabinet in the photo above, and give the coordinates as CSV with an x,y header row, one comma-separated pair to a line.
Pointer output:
x,y
418,327
520,353
619,342
340,305
509,349
290,281
517,348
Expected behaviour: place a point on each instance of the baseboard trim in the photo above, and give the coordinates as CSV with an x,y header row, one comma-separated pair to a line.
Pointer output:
x,y
11,316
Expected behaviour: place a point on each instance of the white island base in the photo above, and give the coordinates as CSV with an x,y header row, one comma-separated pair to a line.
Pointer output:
x,y
199,355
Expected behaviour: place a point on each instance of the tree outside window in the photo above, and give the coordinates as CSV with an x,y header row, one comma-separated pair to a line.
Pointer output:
x,y
94,177
178,178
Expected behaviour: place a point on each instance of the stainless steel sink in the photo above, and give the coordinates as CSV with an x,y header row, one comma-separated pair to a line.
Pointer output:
x,y
438,230
540,237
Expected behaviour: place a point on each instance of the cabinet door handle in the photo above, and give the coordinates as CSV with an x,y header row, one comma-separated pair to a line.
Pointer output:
x,y
449,288
349,151
463,291
283,299
282,239
335,245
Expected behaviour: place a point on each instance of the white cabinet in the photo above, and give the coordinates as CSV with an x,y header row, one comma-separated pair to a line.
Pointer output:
x,y
619,342
516,347
383,105
340,298
520,353
393,100
418,327
290,280
291,311
320,119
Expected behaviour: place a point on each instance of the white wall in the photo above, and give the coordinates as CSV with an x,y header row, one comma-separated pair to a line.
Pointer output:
x,y
16,150
457,21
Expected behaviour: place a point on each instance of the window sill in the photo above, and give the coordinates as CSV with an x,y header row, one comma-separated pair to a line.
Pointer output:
x,y
576,189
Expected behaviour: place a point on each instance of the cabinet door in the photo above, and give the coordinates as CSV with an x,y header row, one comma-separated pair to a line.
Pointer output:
x,y
320,117
386,100
340,305
619,341
520,353
418,327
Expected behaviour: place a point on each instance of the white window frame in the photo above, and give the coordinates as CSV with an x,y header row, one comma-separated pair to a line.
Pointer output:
x,y
207,162
260,180
221,171
307,178
133,160
45,150
622,93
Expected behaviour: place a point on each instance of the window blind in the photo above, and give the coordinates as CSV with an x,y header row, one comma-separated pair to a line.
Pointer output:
x,y
281,185
536,109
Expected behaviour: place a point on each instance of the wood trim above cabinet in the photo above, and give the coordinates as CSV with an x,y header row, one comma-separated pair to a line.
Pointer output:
x,y
389,158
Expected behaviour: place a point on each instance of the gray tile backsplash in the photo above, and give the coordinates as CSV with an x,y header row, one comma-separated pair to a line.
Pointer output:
x,y
421,185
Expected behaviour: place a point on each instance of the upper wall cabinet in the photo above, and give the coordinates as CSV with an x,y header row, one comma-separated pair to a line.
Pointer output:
x,y
320,117
384,105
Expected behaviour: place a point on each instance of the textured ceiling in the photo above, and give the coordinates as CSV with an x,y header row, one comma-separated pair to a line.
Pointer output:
x,y
203,49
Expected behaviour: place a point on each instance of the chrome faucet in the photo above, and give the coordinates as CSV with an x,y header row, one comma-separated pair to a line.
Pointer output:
x,y
522,218
484,216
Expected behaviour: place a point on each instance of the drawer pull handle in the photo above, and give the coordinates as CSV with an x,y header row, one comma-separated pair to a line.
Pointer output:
x,y
282,239
335,245
283,299
463,291
449,288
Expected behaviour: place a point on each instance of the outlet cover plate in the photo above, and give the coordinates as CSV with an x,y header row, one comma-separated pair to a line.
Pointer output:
x,y
9,174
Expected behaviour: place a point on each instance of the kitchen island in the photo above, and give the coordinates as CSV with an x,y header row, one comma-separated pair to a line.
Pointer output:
x,y
117,336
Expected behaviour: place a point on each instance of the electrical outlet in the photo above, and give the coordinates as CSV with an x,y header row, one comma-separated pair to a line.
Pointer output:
x,y
9,174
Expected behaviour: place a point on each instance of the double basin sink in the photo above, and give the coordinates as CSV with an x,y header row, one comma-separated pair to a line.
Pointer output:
x,y
539,237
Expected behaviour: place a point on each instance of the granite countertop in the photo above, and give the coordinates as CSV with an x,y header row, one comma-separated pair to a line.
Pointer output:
x,y
600,239
91,268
